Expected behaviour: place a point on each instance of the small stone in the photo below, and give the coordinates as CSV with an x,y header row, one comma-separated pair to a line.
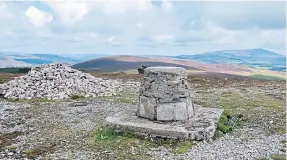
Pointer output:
x,y
10,154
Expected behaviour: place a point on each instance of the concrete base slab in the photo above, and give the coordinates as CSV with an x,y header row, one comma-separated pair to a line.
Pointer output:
x,y
200,127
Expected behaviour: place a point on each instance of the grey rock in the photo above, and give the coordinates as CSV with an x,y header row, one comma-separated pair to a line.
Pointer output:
x,y
180,111
165,112
175,70
146,107
10,153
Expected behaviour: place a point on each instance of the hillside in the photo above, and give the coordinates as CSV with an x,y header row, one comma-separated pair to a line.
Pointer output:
x,y
255,58
9,59
258,58
125,63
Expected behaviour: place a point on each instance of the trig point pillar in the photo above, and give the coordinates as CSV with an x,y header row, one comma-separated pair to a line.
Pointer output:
x,y
164,95
165,108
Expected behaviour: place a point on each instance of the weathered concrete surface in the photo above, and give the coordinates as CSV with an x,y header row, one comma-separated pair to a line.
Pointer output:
x,y
201,127
163,69
165,112
146,107
165,90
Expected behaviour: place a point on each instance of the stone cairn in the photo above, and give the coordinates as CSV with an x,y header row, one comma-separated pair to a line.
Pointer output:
x,y
164,95
57,81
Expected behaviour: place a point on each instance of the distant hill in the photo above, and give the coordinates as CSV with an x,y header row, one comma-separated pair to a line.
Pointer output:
x,y
8,59
258,58
127,63
255,58
123,63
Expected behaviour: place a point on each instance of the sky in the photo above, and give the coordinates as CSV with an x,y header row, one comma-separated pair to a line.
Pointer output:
x,y
141,27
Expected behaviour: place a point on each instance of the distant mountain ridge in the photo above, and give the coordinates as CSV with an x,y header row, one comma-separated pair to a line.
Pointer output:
x,y
9,59
257,58
123,63
131,63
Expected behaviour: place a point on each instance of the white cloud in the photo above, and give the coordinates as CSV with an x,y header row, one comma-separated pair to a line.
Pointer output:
x,y
166,5
69,11
139,25
183,27
73,11
163,37
4,11
38,17
112,41
118,6
93,35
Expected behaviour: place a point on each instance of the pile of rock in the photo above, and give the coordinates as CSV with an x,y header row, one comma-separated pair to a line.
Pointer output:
x,y
57,81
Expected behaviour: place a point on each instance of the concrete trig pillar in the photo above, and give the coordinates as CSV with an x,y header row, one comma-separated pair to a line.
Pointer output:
x,y
164,95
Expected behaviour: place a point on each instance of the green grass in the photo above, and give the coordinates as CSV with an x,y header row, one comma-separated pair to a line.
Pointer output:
x,y
76,122
239,103
283,141
278,129
11,147
37,151
182,147
262,158
278,156
124,96
222,125
274,157
253,106
75,97
266,77
33,153
124,144
34,100
235,101
15,70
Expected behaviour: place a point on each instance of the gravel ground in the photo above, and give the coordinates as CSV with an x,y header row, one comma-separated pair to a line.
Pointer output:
x,y
61,130
243,144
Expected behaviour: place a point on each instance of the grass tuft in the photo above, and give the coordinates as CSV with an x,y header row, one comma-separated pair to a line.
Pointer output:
x,y
33,153
35,100
11,147
226,123
76,97
278,156
222,124
124,96
266,77
183,147
124,144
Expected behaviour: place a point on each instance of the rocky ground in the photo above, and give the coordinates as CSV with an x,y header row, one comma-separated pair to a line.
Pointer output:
x,y
64,129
